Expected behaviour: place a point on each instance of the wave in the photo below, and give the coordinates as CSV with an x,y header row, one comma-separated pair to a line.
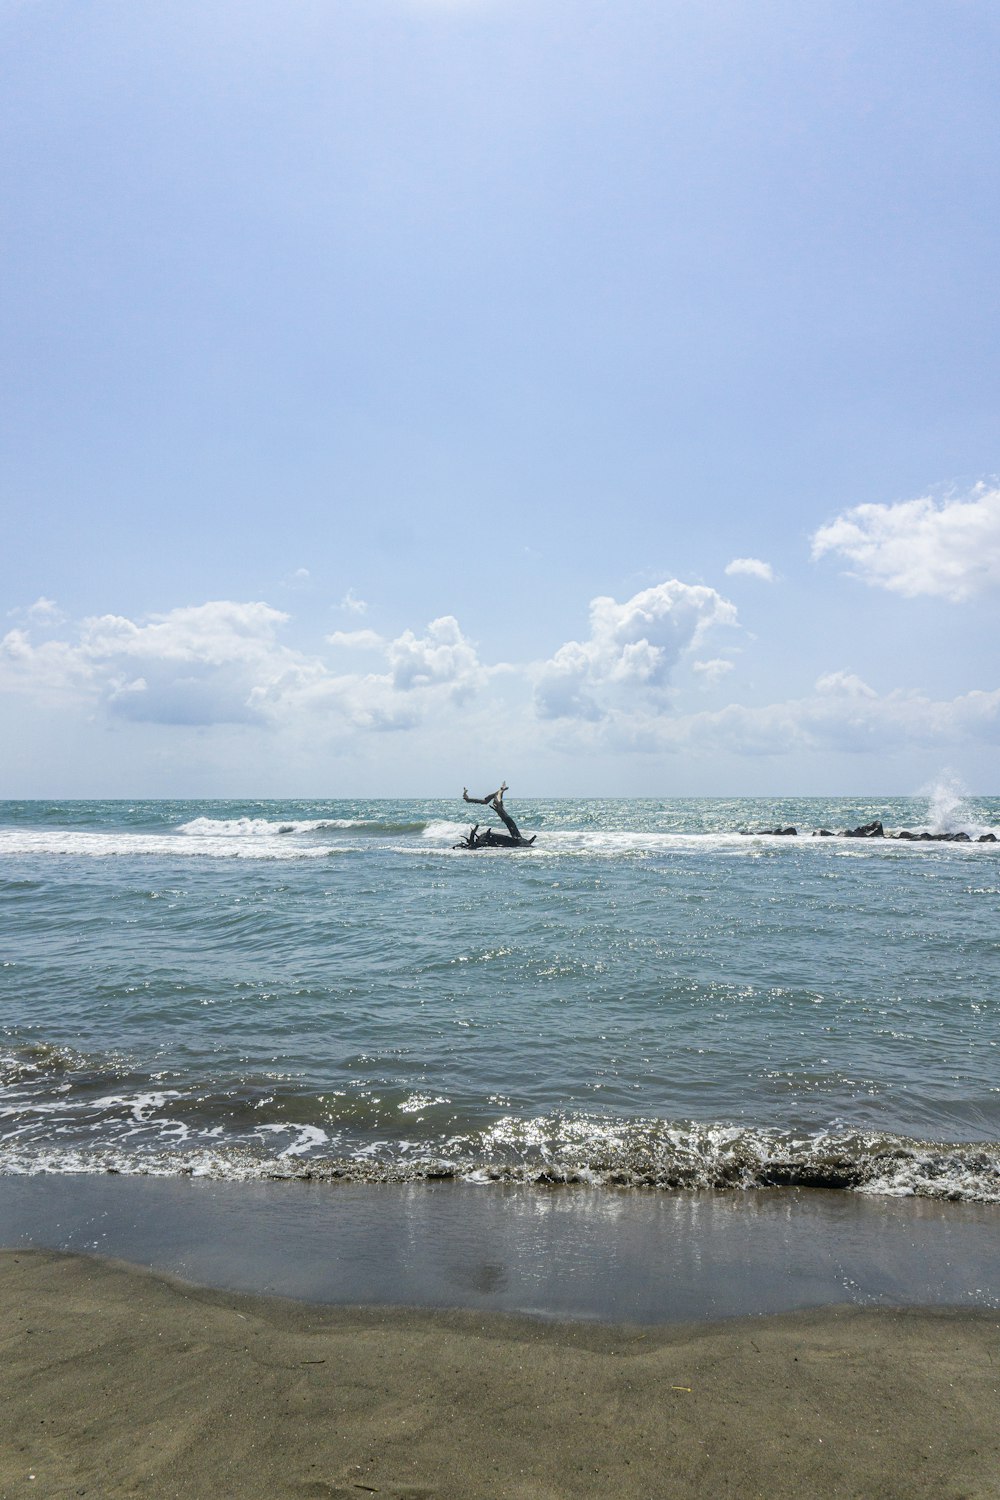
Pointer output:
x,y
748,1160
641,843
242,839
60,1112
212,838
64,842
267,828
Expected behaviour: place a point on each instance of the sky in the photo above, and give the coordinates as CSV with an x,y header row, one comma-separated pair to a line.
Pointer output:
x,y
603,395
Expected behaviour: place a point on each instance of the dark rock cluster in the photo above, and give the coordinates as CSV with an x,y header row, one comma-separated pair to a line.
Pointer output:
x,y
874,830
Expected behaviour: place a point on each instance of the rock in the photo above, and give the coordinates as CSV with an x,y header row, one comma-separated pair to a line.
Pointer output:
x,y
874,830
768,832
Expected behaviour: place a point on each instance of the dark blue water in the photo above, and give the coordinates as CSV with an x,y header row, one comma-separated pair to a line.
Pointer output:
x,y
647,996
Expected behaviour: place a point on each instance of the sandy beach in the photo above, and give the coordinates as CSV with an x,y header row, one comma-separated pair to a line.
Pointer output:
x,y
115,1381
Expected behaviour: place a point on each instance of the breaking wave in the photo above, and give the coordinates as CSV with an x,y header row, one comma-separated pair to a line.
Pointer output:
x,y
60,1112
704,1157
212,838
267,827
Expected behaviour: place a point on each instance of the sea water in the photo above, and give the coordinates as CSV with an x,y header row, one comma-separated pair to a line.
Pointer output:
x,y
649,996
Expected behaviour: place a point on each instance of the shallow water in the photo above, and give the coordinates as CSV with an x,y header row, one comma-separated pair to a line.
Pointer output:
x,y
568,1252
646,996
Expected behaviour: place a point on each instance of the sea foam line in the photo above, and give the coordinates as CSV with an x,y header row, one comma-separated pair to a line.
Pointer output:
x,y
670,1158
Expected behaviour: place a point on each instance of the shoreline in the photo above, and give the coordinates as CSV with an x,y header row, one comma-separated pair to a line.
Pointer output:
x,y
116,1381
601,1255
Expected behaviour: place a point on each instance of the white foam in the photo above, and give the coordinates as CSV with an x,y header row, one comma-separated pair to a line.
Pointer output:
x,y
58,842
437,831
948,810
140,1106
266,827
307,1137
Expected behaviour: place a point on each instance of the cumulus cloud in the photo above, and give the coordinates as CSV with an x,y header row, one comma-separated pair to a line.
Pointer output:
x,y
423,675
198,664
443,657
227,662
353,604
631,651
950,550
212,634
49,668
752,567
224,663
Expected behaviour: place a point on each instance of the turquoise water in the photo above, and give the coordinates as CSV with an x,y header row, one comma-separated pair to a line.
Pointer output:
x,y
647,996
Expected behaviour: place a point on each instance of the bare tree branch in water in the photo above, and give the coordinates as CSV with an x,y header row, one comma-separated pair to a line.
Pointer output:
x,y
490,839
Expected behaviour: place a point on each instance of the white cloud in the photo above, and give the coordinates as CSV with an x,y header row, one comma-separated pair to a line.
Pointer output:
x,y
218,632
226,662
752,567
714,670
43,613
49,669
198,664
353,604
842,713
223,662
844,684
631,652
949,550
443,657
424,676
358,640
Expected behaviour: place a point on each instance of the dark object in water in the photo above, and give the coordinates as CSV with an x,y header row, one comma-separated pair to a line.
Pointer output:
x,y
875,830
942,838
756,833
490,839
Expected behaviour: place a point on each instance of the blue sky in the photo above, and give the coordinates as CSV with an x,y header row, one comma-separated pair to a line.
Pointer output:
x,y
352,350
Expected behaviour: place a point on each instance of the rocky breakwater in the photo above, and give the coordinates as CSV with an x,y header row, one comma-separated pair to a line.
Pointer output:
x,y
875,830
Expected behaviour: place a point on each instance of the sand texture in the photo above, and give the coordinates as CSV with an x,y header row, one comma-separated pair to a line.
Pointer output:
x,y
118,1382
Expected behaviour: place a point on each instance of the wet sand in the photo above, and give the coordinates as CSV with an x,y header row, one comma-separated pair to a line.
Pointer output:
x,y
116,1381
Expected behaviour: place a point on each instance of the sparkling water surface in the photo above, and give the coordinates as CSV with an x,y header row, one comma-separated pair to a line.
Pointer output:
x,y
646,996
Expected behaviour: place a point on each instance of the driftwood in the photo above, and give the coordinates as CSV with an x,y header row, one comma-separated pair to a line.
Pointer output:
x,y
490,838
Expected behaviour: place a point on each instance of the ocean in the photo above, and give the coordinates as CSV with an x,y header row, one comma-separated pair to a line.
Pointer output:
x,y
649,997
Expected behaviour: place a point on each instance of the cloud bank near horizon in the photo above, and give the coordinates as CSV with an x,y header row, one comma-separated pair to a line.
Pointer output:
x,y
225,663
